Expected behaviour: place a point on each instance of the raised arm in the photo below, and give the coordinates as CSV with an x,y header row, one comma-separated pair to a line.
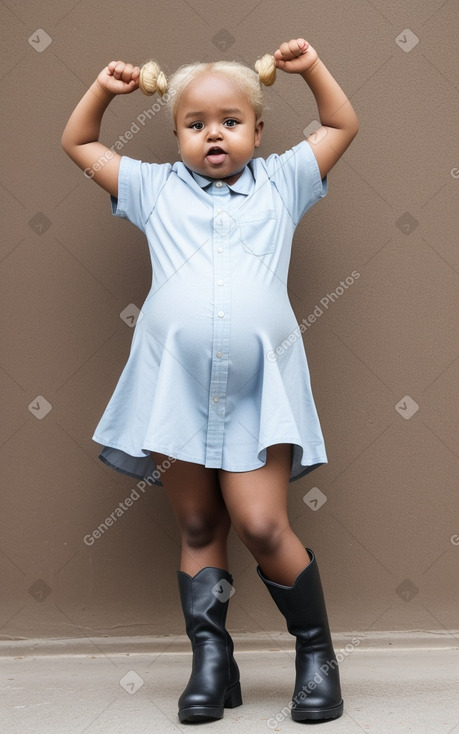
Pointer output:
x,y
80,138
338,119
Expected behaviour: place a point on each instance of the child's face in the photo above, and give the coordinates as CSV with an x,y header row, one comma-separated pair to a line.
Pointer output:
x,y
216,127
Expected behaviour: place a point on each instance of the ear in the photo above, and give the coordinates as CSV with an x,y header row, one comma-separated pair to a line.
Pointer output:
x,y
178,144
258,132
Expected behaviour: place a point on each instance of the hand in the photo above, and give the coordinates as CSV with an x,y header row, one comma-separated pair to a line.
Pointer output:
x,y
119,78
296,56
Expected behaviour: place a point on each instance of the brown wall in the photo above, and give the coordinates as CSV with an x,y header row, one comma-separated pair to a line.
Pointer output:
x,y
387,536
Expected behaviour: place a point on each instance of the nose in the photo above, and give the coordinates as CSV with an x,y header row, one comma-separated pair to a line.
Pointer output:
x,y
215,132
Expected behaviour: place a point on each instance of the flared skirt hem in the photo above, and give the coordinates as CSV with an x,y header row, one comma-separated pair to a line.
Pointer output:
x,y
144,468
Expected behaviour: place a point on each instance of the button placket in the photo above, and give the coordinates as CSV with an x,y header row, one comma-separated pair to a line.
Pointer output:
x,y
222,225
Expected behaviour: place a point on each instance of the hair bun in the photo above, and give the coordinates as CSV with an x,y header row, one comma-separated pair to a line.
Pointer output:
x,y
266,68
152,79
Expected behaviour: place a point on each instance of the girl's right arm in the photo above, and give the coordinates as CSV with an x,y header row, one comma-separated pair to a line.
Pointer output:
x,y
80,138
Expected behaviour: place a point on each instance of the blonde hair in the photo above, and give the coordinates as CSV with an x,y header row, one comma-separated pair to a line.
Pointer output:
x,y
152,79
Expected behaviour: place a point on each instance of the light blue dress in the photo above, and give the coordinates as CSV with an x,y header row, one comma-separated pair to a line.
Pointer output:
x,y
217,370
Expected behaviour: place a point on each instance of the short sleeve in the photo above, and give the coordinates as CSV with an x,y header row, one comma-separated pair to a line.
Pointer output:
x,y
139,185
296,176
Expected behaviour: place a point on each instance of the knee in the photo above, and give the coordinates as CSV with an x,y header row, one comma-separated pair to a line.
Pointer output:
x,y
200,531
262,535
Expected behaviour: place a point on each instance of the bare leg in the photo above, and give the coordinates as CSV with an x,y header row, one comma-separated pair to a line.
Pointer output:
x,y
195,495
257,505
204,523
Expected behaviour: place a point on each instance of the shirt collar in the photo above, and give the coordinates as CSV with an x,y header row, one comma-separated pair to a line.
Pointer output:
x,y
243,185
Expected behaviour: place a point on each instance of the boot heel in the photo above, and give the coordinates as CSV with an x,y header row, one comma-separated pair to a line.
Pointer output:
x,y
233,697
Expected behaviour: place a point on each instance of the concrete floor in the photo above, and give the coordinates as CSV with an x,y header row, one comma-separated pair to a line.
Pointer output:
x,y
387,688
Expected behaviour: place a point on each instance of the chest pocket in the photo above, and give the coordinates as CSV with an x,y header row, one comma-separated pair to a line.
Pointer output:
x,y
259,234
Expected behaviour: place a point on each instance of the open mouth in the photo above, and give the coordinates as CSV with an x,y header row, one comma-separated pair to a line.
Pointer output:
x,y
216,155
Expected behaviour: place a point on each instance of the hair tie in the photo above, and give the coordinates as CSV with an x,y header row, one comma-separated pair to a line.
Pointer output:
x,y
266,68
152,79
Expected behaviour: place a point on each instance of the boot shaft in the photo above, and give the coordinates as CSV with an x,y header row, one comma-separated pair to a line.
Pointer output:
x,y
303,604
204,598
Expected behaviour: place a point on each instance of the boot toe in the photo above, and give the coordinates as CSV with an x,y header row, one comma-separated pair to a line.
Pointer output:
x,y
319,713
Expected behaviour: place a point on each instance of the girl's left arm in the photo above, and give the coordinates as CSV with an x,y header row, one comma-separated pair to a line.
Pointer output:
x,y
338,119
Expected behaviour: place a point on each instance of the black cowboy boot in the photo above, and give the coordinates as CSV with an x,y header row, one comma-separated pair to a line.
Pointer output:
x,y
214,681
317,693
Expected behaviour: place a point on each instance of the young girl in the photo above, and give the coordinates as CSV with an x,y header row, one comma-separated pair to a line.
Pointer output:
x,y
205,402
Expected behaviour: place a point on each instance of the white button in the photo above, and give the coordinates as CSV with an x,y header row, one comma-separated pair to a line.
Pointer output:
x,y
215,399
221,314
219,354
219,211
219,184
220,282
219,249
